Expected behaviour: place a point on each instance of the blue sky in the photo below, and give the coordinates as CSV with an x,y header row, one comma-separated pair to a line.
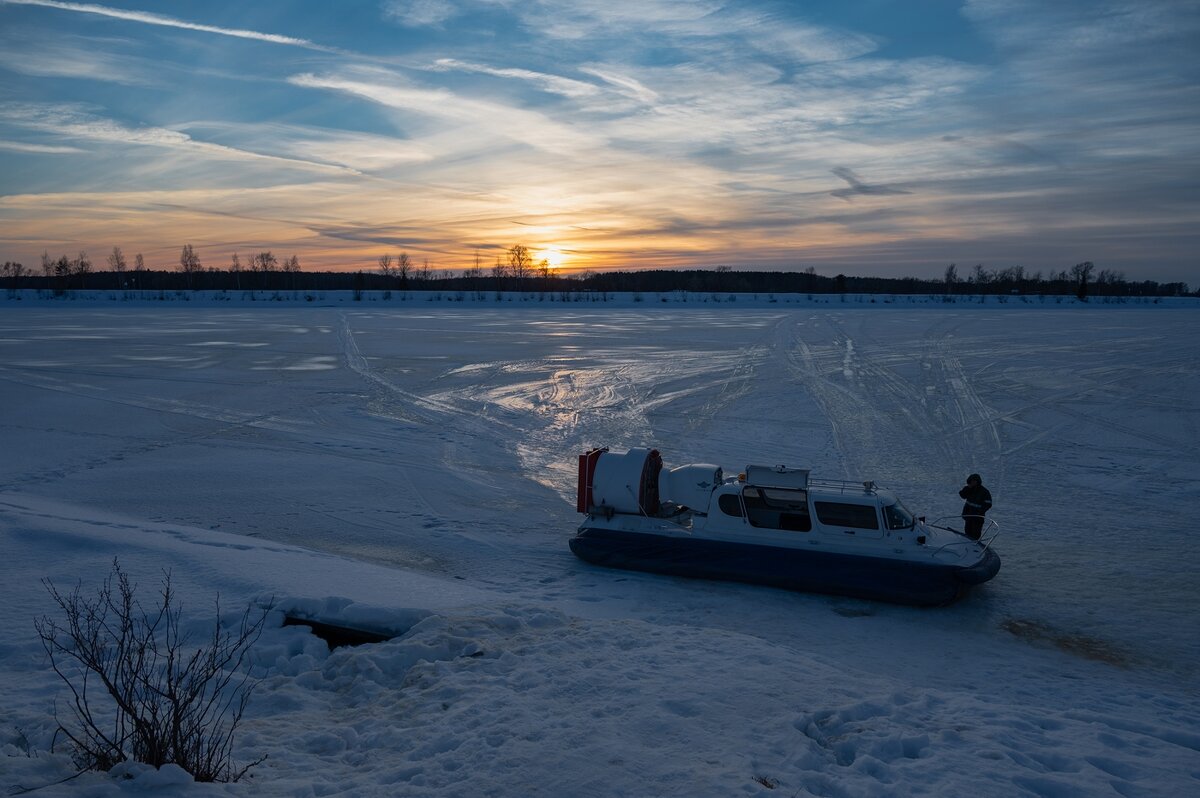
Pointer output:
x,y
878,137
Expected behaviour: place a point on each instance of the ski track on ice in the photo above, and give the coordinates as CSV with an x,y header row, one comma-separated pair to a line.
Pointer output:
x,y
880,419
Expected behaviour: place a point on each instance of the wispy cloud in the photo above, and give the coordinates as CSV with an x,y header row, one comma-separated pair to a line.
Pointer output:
x,y
629,131
589,18
39,149
420,13
66,56
1092,26
365,152
704,27
150,18
627,85
392,90
556,84
75,122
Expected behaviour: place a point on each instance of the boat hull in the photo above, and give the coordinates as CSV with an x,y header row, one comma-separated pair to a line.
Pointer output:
x,y
880,579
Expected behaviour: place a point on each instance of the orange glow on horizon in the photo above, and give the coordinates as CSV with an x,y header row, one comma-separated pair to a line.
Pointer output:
x,y
553,256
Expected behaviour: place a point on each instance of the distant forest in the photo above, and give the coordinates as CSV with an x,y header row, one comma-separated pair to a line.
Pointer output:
x,y
517,272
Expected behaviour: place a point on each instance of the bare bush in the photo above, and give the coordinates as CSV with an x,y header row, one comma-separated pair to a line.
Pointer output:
x,y
139,689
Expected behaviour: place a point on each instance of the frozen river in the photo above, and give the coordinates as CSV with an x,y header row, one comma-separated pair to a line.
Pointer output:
x,y
441,441
444,439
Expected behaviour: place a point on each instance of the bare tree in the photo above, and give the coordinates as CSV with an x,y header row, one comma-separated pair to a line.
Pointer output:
x,y
116,261
1080,273
14,272
264,262
291,267
951,277
498,273
139,688
82,267
139,270
116,264
475,277
48,268
387,269
1011,274
235,268
404,267
520,262
980,275
62,275
189,263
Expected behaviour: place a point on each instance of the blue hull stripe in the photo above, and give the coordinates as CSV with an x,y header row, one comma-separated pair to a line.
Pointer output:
x,y
795,569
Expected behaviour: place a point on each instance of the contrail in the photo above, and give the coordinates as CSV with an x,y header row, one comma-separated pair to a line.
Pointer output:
x,y
162,20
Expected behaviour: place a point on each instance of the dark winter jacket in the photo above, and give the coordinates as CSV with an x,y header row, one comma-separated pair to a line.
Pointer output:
x,y
977,498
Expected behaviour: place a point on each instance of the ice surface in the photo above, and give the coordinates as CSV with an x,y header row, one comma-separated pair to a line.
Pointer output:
x,y
410,466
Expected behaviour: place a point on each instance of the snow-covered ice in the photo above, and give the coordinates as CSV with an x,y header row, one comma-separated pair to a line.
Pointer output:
x,y
408,466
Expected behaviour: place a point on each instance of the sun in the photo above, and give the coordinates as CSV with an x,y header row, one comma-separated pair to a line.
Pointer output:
x,y
553,256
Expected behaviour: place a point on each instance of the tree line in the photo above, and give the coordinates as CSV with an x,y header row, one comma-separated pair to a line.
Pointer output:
x,y
516,270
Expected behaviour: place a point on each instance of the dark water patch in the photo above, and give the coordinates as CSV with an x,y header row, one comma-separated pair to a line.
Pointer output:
x,y
336,635
1079,645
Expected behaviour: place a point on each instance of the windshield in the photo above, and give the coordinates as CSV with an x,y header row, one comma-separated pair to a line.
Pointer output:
x,y
897,516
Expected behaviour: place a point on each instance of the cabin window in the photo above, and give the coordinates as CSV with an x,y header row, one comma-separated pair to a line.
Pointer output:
x,y
730,504
777,508
859,516
897,516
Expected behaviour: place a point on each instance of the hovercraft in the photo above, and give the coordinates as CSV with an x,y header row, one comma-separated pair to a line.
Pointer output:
x,y
771,525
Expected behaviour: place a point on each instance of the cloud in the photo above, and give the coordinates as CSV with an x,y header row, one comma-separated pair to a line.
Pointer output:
x,y
858,187
39,149
420,13
364,152
554,84
658,129
590,18
699,28
628,86
150,18
488,118
1074,28
66,56
75,122
793,39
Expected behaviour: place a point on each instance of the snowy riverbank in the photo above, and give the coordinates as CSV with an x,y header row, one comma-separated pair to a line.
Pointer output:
x,y
573,299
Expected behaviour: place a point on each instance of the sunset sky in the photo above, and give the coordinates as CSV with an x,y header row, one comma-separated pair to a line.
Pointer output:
x,y
879,137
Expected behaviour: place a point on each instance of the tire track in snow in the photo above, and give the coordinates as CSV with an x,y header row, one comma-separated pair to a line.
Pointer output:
x,y
1057,402
972,434
889,409
426,409
742,374
582,408
228,419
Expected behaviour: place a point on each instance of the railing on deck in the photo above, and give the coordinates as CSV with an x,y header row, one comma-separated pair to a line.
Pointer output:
x,y
843,486
990,531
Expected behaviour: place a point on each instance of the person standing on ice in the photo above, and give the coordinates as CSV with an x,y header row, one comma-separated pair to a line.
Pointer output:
x,y
978,500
